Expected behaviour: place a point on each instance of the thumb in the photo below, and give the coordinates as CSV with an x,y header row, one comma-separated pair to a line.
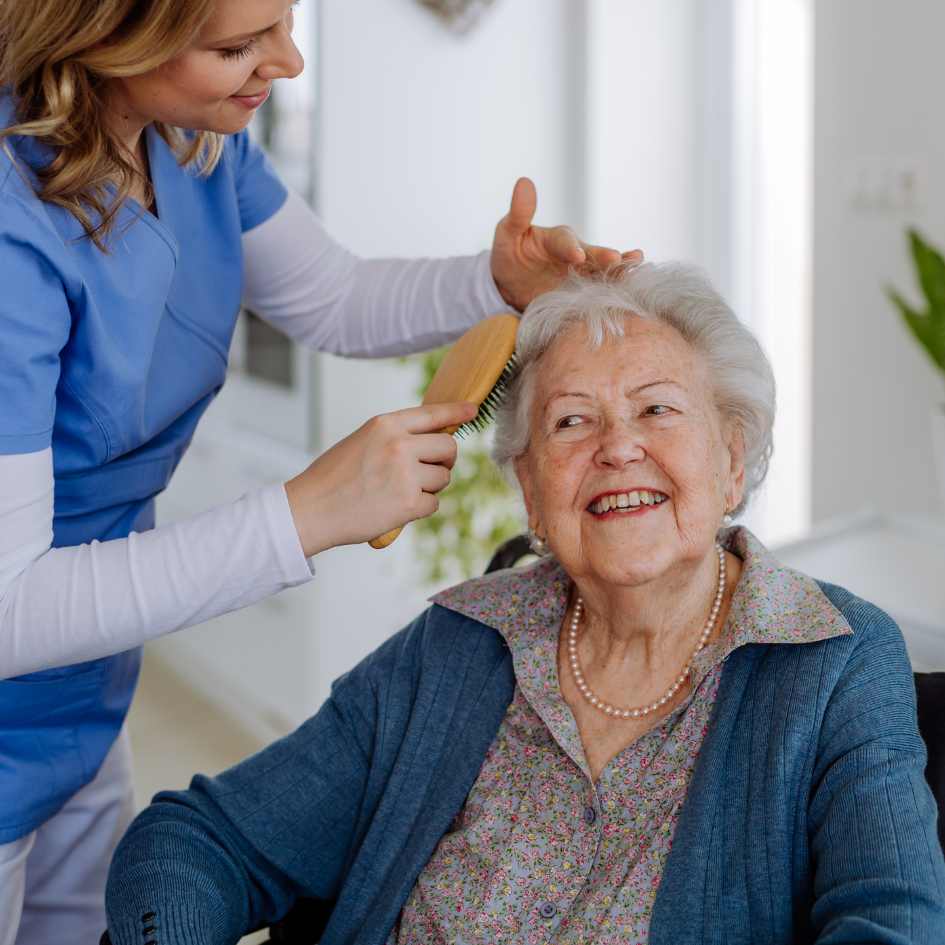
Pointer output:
x,y
524,203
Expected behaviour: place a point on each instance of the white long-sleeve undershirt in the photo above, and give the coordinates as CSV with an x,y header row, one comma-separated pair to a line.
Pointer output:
x,y
60,606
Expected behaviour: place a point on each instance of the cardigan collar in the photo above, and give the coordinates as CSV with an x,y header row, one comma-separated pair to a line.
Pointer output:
x,y
772,604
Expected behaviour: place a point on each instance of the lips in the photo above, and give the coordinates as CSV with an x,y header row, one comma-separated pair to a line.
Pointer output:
x,y
252,101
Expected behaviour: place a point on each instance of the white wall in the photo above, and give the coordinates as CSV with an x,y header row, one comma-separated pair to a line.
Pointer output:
x,y
643,154
878,102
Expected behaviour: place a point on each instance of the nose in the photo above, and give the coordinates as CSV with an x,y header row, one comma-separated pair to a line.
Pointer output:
x,y
620,443
283,60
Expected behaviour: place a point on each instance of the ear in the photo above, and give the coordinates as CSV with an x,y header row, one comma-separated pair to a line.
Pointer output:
x,y
523,474
735,490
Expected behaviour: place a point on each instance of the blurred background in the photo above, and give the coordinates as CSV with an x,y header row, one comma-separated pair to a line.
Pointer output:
x,y
784,145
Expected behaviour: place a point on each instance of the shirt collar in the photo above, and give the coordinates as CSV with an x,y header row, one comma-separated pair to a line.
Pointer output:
x,y
772,604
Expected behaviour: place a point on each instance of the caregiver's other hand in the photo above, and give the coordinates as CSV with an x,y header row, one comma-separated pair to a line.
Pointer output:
x,y
383,475
528,260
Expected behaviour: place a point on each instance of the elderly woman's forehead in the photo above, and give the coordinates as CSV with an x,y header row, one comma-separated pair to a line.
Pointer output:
x,y
646,343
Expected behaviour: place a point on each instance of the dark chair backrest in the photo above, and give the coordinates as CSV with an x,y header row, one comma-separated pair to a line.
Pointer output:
x,y
930,694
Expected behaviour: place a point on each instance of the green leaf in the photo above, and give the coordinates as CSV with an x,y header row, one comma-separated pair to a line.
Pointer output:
x,y
928,327
930,267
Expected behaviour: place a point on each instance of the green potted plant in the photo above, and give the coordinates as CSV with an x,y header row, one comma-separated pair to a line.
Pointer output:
x,y
927,325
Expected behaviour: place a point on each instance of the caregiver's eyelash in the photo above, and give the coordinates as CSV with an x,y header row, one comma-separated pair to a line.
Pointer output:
x,y
238,52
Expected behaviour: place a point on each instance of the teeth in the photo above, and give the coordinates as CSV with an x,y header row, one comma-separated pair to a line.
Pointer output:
x,y
627,500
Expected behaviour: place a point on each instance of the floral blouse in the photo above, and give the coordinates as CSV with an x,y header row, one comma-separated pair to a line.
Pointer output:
x,y
540,853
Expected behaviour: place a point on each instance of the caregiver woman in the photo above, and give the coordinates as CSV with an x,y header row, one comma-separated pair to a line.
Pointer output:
x,y
126,246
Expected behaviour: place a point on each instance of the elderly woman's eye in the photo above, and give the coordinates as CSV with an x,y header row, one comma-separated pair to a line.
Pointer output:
x,y
572,420
660,407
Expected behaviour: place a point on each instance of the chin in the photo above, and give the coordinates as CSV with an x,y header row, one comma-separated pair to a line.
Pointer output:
x,y
226,119
628,565
231,124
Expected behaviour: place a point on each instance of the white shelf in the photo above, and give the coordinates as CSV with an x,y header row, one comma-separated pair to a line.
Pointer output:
x,y
895,562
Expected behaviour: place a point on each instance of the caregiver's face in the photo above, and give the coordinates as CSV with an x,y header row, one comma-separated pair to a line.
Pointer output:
x,y
631,420
225,75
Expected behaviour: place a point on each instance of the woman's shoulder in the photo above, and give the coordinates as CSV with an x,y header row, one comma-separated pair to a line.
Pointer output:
x,y
511,599
438,646
803,608
17,156
871,625
24,220
873,654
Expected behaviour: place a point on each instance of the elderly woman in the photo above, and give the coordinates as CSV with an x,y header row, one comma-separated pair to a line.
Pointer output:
x,y
654,733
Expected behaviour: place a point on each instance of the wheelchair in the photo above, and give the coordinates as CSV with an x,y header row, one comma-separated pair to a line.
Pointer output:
x,y
305,922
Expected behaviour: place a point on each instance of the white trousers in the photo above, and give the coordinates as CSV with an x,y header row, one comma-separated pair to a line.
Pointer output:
x,y
52,881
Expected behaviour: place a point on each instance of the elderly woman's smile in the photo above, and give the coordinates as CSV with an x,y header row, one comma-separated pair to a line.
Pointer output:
x,y
628,471
637,501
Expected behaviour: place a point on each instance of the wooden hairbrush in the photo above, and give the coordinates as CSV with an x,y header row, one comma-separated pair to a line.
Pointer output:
x,y
477,369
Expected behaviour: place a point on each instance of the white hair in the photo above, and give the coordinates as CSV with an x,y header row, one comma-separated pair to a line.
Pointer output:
x,y
677,294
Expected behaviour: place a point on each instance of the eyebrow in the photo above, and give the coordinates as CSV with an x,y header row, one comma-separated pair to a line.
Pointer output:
x,y
636,390
663,380
241,37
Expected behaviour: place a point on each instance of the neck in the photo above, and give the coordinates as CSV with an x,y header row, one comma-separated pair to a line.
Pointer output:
x,y
648,626
124,123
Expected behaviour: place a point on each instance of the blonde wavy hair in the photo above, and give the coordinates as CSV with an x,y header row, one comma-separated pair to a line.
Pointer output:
x,y
56,58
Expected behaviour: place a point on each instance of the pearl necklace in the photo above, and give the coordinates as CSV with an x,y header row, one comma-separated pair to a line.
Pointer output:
x,y
637,713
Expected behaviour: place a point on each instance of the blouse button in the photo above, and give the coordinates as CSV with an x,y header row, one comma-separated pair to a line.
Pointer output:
x,y
590,815
547,910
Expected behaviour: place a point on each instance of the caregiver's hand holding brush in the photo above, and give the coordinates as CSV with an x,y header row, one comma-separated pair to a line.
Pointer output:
x,y
385,474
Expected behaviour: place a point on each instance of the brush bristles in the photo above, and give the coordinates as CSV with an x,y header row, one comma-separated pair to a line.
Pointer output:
x,y
494,398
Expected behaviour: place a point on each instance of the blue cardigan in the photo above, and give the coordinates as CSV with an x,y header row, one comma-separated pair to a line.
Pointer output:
x,y
808,818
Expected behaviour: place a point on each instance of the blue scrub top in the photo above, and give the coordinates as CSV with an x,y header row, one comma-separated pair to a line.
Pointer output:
x,y
110,359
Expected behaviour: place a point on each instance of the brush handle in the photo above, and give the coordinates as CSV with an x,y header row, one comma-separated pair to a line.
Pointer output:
x,y
388,538
469,371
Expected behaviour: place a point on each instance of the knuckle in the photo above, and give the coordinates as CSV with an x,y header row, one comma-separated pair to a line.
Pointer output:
x,y
398,451
378,426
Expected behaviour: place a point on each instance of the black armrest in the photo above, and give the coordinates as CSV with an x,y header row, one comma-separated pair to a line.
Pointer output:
x,y
930,696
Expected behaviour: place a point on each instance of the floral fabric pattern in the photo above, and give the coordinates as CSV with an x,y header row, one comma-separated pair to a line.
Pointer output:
x,y
540,853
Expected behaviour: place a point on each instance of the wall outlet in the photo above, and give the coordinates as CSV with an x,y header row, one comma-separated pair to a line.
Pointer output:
x,y
886,185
